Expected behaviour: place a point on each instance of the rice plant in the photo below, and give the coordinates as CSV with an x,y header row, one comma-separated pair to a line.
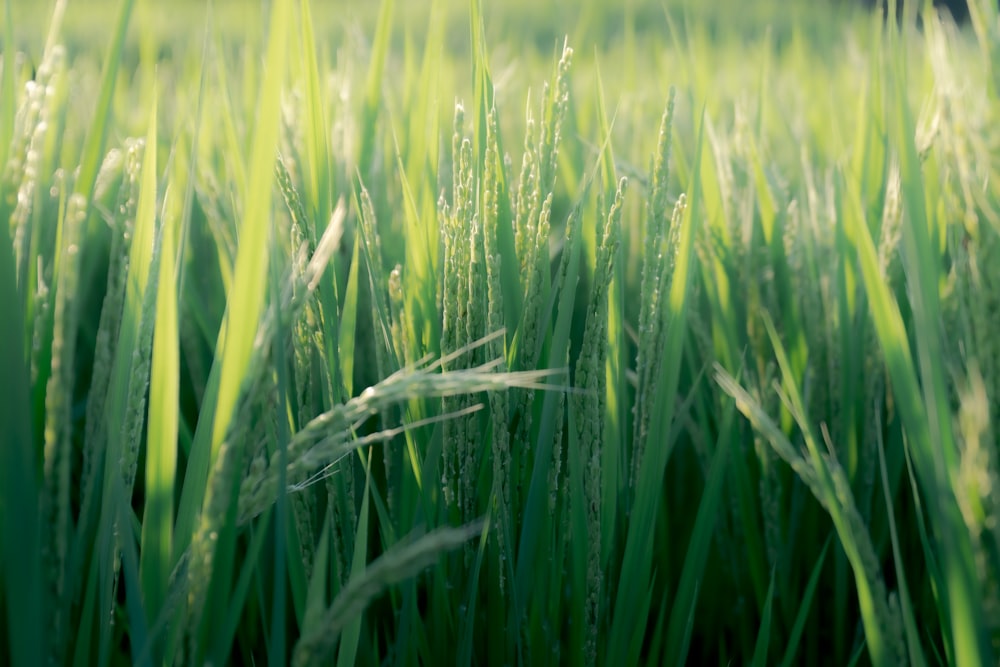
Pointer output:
x,y
498,333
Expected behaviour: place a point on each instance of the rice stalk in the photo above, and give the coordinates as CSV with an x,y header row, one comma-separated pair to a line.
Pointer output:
x,y
657,267
55,494
400,562
590,406
499,400
978,478
314,449
456,297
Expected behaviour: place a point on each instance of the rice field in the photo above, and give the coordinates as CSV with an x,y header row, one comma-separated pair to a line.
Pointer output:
x,y
499,333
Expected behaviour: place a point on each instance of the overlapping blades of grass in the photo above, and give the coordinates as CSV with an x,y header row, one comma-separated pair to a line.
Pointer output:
x,y
586,553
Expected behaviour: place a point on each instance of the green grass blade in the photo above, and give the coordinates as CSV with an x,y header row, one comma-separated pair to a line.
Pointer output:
x,y
535,525
759,658
936,458
246,299
349,321
468,622
916,654
795,636
352,626
627,630
373,87
20,529
318,583
223,641
484,105
286,565
579,541
319,176
93,151
134,604
400,562
162,425
955,585
696,558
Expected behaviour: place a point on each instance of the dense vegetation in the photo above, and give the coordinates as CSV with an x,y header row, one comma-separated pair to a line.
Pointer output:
x,y
526,334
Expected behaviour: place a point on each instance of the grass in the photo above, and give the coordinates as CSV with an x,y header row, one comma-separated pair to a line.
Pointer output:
x,y
370,337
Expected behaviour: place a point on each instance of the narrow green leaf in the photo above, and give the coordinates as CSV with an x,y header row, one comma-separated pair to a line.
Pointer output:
x,y
93,151
696,558
162,425
627,630
351,633
20,529
759,658
246,298
795,636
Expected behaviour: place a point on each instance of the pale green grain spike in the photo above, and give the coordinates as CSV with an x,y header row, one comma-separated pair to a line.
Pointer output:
x,y
112,307
465,320
45,163
536,292
557,473
386,358
538,184
526,196
555,103
306,345
658,197
458,136
483,226
398,335
652,333
499,404
129,382
494,322
475,329
98,434
299,221
387,355
55,496
324,441
537,275
36,128
453,298
656,265
36,247
533,211
589,405
449,308
397,314
145,261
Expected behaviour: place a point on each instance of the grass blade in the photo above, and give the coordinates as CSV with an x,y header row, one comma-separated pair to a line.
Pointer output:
x,y
20,529
759,658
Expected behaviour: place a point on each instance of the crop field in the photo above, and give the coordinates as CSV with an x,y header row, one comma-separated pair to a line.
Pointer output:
x,y
499,333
